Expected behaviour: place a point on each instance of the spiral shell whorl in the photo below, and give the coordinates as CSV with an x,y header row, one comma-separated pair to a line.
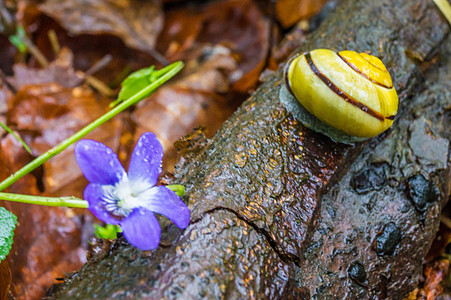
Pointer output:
x,y
348,91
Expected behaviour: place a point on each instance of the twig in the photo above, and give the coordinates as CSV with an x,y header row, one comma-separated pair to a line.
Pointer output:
x,y
98,85
100,64
54,41
160,58
94,82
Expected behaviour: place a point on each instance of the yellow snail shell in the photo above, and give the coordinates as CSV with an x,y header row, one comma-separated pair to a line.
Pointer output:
x,y
352,92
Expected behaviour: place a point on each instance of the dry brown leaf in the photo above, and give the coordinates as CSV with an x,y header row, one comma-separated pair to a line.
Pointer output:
x,y
236,24
288,12
180,31
137,23
240,26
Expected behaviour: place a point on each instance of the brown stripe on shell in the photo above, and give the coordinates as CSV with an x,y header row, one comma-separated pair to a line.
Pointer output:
x,y
285,74
341,93
363,74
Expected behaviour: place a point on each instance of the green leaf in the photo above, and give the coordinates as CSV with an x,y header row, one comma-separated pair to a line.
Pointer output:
x,y
7,225
107,232
134,83
18,39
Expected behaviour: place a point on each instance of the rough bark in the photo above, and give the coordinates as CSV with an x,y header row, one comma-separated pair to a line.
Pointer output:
x,y
258,227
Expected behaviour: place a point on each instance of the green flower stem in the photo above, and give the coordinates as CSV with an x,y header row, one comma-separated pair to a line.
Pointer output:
x,y
48,201
161,77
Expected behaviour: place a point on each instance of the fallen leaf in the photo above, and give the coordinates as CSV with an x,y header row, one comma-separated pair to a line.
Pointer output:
x,y
236,24
239,25
288,12
180,31
137,23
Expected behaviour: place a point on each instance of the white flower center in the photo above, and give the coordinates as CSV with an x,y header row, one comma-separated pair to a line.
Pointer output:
x,y
125,196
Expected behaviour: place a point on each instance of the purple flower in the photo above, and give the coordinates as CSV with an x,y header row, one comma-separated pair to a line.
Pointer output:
x,y
130,200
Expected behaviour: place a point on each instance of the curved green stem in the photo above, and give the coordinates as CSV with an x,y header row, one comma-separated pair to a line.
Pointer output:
x,y
48,201
161,77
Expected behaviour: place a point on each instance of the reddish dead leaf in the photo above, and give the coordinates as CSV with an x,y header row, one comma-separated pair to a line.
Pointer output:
x,y
239,25
180,31
47,240
288,12
193,100
137,23
236,24
5,279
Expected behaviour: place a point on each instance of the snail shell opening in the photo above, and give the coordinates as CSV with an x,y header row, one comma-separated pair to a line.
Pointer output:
x,y
348,91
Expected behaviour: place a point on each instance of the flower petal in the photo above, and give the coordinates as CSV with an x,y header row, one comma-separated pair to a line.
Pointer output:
x,y
163,201
145,163
141,229
98,162
94,194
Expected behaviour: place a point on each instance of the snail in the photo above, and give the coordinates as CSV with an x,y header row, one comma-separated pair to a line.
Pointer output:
x,y
350,95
